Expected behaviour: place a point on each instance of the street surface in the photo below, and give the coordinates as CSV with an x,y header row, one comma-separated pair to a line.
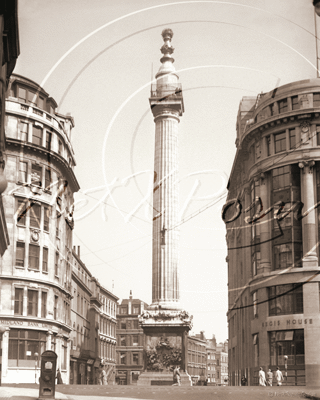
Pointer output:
x,y
82,392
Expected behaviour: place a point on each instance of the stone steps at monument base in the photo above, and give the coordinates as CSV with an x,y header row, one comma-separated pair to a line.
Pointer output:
x,y
148,378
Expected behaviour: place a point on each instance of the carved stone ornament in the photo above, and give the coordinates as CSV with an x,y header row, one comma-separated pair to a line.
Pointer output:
x,y
166,315
163,356
305,132
35,236
69,219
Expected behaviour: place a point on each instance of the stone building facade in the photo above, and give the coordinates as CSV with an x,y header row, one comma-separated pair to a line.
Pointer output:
x,y
107,335
81,355
102,339
35,272
272,221
130,341
9,52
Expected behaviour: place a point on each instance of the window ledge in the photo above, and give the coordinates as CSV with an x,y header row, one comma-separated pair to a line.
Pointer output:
x,y
32,269
21,226
45,272
19,266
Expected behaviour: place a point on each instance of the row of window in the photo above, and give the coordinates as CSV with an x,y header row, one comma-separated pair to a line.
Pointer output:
x,y
39,215
38,136
281,344
282,141
196,357
29,96
107,327
24,344
283,105
38,175
135,309
33,303
127,358
108,306
82,305
282,300
107,350
128,340
36,215
128,324
34,258
287,252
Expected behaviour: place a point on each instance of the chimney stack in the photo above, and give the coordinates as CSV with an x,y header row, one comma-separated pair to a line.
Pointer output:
x,y
79,251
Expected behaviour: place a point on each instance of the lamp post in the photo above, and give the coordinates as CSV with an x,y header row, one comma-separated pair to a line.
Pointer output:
x,y
285,367
36,356
316,4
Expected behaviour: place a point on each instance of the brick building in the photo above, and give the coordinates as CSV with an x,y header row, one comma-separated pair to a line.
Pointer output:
x,y
130,341
197,357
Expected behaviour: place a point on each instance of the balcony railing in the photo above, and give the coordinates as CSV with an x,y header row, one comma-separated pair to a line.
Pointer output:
x,y
170,90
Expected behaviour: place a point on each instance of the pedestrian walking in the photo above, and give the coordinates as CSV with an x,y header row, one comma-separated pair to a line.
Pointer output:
x,y
176,376
262,377
59,378
279,377
269,377
243,381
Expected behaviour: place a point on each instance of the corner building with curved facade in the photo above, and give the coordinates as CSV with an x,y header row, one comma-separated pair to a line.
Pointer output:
x,y
273,252
35,272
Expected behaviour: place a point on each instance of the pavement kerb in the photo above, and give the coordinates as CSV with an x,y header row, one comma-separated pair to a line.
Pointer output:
x,y
9,392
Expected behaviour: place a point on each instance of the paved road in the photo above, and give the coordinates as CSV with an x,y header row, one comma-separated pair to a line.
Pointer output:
x,y
82,392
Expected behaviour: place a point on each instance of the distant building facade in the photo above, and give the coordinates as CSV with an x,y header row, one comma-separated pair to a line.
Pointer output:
x,y
81,355
130,341
93,336
273,252
222,363
197,358
35,272
211,360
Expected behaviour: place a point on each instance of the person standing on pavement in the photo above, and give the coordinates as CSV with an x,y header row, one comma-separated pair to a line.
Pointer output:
x,y
262,377
279,377
176,376
269,377
243,381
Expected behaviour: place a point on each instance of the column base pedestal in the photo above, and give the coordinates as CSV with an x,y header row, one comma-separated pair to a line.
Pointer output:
x,y
310,261
165,346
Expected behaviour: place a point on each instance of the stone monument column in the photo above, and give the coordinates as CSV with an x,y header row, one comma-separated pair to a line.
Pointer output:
x,y
165,324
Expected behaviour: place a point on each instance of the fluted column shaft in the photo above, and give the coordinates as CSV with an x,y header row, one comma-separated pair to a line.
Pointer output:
x,y
165,283
310,258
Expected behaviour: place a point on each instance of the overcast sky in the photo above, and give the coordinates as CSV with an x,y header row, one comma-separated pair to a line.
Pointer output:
x,y
96,59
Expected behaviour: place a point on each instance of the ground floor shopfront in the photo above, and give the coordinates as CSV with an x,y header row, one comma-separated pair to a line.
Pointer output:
x,y
91,372
127,376
288,342
23,342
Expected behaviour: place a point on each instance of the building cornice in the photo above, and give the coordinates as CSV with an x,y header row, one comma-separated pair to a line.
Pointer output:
x,y
38,281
